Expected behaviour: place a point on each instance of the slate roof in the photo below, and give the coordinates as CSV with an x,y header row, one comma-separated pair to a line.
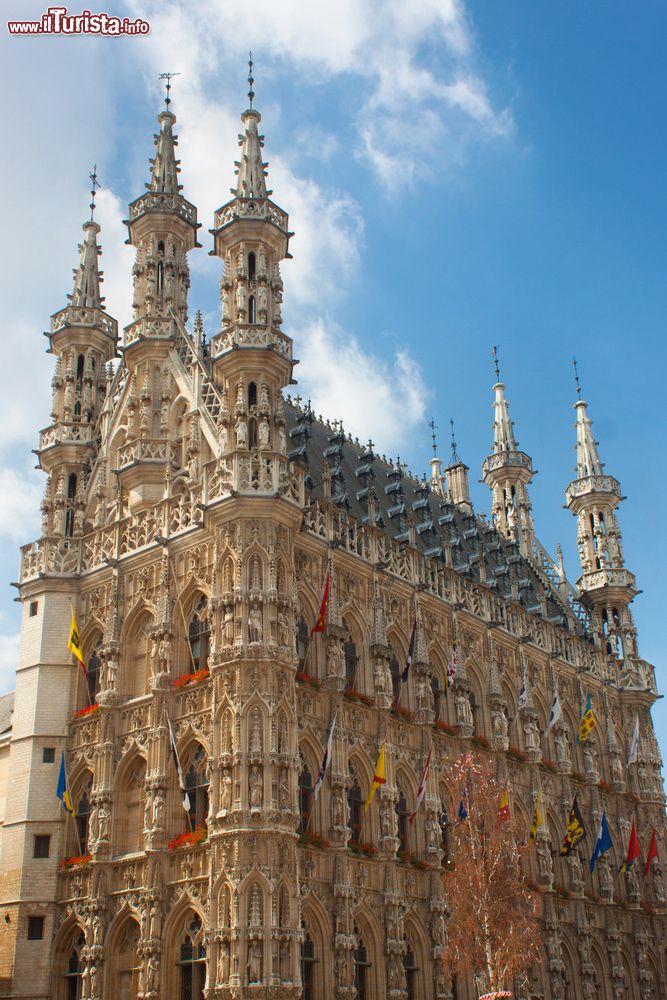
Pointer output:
x,y
477,550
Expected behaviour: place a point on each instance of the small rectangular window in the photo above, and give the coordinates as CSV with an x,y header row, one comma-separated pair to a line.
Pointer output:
x,y
35,928
48,755
42,844
34,606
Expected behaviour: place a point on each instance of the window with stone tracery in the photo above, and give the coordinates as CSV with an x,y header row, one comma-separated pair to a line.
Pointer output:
x,y
411,969
308,962
402,821
128,963
74,969
137,669
305,798
93,669
81,819
199,633
130,812
302,643
351,659
355,804
361,968
196,782
191,960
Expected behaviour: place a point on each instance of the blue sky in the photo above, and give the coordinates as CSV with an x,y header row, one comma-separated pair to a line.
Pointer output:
x,y
457,176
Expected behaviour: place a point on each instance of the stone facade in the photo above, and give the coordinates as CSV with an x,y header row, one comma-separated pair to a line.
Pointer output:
x,y
191,514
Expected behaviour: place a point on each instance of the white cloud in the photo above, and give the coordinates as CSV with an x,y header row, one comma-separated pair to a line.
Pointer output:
x,y
117,258
20,496
9,657
346,382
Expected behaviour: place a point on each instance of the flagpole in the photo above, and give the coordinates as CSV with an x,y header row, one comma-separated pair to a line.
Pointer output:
x,y
81,665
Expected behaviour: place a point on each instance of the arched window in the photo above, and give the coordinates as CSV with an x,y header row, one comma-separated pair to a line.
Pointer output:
x,y
308,961
126,980
252,394
395,676
305,798
79,370
71,497
351,661
251,309
196,784
302,643
83,814
411,969
130,812
74,969
252,432
437,694
252,268
93,670
199,633
135,675
355,804
361,967
402,820
192,962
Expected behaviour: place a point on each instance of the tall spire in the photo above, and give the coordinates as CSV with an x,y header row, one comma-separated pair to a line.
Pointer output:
x,y
250,169
87,276
165,166
606,586
457,478
508,472
436,466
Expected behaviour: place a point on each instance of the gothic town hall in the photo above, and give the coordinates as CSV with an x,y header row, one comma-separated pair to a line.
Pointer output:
x,y
192,513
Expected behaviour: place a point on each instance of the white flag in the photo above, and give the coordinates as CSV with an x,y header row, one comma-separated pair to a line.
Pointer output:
x,y
634,743
523,693
555,712
177,764
326,760
451,668
421,791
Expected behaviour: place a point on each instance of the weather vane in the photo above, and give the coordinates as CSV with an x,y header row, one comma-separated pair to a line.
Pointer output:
x,y
95,184
168,77
494,355
576,377
455,458
432,424
251,80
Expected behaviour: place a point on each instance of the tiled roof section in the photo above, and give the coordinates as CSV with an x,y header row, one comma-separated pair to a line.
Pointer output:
x,y
407,507
6,710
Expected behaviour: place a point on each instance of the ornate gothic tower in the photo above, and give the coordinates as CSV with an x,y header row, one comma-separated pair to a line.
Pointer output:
x,y
606,586
508,472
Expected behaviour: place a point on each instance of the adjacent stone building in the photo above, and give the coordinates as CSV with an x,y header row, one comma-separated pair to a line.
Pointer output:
x,y
191,514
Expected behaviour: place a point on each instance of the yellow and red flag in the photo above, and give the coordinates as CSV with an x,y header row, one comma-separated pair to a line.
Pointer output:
x,y
74,644
321,623
379,778
504,806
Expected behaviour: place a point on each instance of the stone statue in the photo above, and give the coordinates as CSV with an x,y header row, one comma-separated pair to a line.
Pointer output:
x,y
256,787
337,808
226,791
423,701
255,623
264,434
386,818
463,709
93,981
562,746
283,789
152,970
223,963
574,862
241,433
531,733
104,818
544,860
642,776
431,830
499,722
226,315
254,962
240,301
282,440
262,302
158,812
283,634
228,627
378,677
285,976
606,879
340,968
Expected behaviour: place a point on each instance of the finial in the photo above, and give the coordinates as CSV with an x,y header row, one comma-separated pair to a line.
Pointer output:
x,y
251,80
494,355
432,424
455,458
95,184
576,377
168,77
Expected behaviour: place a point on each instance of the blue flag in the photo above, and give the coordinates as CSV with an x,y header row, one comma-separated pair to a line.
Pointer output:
x,y
603,842
463,812
62,790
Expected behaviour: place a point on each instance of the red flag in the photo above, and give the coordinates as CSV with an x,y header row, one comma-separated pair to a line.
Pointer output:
x,y
634,850
321,623
652,853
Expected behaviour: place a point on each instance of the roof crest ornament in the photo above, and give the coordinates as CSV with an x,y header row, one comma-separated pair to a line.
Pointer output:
x,y
576,377
251,81
496,363
168,77
95,185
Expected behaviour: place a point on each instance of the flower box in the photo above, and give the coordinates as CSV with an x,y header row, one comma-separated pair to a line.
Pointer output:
x,y
403,713
88,710
550,765
631,797
481,741
78,861
308,839
353,695
405,857
306,679
517,754
421,865
444,727
368,850
188,839
648,907
188,680
606,786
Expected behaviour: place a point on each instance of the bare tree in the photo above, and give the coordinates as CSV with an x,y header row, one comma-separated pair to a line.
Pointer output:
x,y
493,931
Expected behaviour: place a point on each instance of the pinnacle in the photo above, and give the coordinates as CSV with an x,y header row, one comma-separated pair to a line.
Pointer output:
x,y
165,166
87,276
